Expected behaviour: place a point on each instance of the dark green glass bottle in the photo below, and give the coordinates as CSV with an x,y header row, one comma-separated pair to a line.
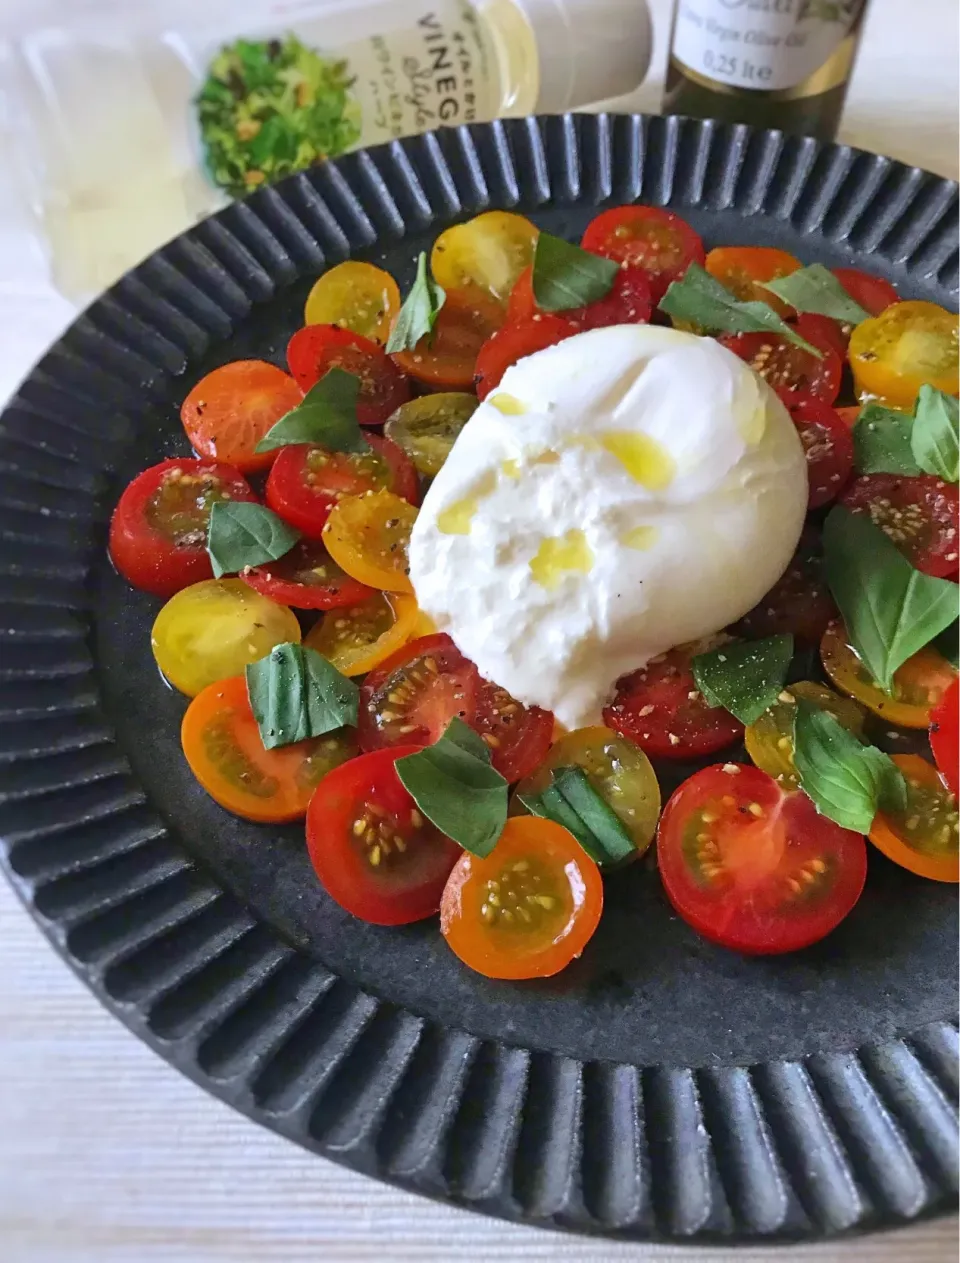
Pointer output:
x,y
772,63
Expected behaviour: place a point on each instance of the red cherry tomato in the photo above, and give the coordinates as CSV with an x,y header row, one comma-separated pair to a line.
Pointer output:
x,y
794,373
661,709
753,868
828,447
314,350
306,482
414,694
158,532
307,578
799,602
944,738
918,514
373,851
514,342
648,237
628,302
230,410
873,293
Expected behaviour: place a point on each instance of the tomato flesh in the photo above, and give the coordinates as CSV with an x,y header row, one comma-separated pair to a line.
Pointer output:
x,y
446,359
799,602
828,447
923,838
514,342
647,237
944,737
315,349
661,709
413,696
628,302
795,374
229,411
355,296
908,344
158,531
372,850
753,868
918,514
307,578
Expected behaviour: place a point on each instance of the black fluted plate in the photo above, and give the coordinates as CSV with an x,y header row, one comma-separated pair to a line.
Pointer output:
x,y
659,1088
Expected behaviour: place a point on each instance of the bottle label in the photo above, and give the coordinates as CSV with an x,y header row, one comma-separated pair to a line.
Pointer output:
x,y
771,45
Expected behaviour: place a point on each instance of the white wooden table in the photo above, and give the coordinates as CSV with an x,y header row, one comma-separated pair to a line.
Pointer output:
x,y
109,1156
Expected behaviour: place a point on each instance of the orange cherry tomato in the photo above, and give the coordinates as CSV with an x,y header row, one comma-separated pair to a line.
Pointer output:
x,y
446,358
355,296
528,908
230,410
849,415
918,685
222,744
743,269
368,537
922,838
359,637
895,353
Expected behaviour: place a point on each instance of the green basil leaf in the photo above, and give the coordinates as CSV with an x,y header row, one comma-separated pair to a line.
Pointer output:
x,y
564,276
326,416
243,534
890,610
613,842
419,312
935,439
455,787
295,694
816,289
882,442
551,805
744,677
700,300
847,781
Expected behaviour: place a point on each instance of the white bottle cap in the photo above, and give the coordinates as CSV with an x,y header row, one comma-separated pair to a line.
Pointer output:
x,y
589,50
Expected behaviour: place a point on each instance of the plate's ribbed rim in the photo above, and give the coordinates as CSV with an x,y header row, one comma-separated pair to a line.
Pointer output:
x,y
784,1150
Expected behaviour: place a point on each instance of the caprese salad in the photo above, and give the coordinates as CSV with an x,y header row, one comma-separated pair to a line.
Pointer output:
x,y
461,582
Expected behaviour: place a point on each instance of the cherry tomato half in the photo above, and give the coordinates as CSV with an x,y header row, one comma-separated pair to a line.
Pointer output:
x,y
799,602
647,237
908,344
369,536
427,428
918,685
873,293
769,739
306,482
828,447
446,358
661,709
795,374
372,850
515,342
744,269
628,302
528,908
922,838
753,868
487,253
313,351
222,744
944,737
357,638
158,532
230,410
918,514
213,629
414,694
307,578
355,296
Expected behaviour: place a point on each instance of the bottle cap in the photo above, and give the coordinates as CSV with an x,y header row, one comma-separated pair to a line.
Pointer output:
x,y
589,50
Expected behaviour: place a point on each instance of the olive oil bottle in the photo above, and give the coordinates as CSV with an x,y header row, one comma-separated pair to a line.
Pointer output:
x,y
773,63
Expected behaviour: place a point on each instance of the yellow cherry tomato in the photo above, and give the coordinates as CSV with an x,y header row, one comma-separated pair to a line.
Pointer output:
x,y
358,638
908,344
489,251
368,537
917,686
355,296
769,739
426,428
212,629
618,770
923,838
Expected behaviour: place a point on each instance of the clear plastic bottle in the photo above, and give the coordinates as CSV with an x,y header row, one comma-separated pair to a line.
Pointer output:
x,y
126,136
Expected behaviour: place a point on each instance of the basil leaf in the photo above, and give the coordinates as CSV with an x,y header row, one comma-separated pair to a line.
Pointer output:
x,y
846,780
326,416
243,534
571,801
890,610
295,694
564,276
700,300
816,289
419,312
934,438
455,787
551,805
882,442
744,677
